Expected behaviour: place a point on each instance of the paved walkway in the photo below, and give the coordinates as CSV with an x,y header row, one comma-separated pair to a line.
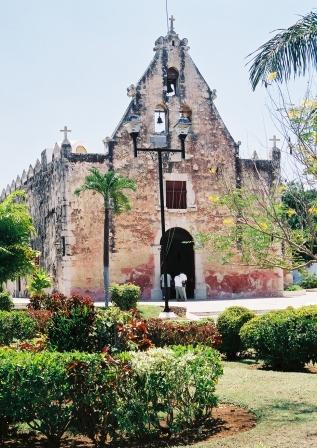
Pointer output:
x,y
259,305
214,307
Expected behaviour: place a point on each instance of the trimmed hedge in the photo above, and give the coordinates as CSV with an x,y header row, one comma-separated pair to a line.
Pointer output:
x,y
16,325
229,325
6,302
135,396
125,296
285,340
165,333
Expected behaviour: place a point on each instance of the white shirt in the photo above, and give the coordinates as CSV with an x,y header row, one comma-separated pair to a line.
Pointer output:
x,y
179,279
169,278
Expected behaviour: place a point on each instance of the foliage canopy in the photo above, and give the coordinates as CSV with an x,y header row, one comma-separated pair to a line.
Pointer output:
x,y
16,230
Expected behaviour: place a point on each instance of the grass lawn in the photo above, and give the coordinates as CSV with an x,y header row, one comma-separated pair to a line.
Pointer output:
x,y
284,403
149,311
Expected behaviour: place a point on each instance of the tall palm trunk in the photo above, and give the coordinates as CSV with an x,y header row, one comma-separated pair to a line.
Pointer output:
x,y
106,255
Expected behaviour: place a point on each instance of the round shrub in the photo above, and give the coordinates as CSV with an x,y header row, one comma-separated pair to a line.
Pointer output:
x,y
16,325
125,296
229,324
284,340
6,302
309,280
164,333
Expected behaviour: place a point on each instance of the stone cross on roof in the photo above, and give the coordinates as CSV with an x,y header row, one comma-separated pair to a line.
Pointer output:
x,y
65,130
274,140
172,20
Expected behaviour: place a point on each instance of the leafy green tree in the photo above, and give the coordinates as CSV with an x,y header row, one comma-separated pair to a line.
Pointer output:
x,y
110,186
16,230
264,227
291,51
302,214
274,225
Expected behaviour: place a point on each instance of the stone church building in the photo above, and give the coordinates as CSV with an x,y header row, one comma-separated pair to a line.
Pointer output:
x,y
70,228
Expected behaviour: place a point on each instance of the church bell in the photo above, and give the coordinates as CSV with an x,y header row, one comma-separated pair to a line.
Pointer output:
x,y
159,119
169,88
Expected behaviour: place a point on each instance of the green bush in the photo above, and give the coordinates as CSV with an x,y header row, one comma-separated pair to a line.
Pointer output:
x,y
229,324
35,388
293,287
158,390
174,386
6,302
108,327
71,328
83,328
285,340
125,296
165,333
16,325
309,280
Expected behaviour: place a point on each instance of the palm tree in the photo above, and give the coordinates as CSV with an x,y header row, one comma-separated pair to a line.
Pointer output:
x,y
291,51
110,186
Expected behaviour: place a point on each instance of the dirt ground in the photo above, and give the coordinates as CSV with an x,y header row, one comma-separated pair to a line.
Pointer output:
x,y
227,420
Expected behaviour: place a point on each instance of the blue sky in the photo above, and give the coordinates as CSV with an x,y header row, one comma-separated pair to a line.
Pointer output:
x,y
69,62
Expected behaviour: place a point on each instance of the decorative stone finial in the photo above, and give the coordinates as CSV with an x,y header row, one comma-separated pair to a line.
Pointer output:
x,y
131,91
274,140
172,20
24,177
65,131
255,156
18,182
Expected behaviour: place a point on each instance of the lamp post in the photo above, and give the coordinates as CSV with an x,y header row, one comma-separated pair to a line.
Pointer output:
x,y
133,126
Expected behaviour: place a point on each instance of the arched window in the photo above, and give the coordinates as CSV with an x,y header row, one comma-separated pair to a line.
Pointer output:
x,y
172,82
159,120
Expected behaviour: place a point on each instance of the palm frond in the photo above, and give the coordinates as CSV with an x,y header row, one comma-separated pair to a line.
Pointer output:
x,y
125,183
110,186
291,51
121,203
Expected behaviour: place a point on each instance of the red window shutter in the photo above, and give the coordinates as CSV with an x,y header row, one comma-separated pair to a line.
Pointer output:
x,y
176,194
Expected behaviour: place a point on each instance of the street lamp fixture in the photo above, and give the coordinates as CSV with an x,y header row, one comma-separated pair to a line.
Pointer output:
x,y
133,126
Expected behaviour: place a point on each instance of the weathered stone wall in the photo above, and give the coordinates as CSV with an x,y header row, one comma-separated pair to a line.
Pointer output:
x,y
83,263
69,230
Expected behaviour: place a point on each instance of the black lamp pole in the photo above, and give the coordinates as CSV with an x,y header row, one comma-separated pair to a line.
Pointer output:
x,y
160,151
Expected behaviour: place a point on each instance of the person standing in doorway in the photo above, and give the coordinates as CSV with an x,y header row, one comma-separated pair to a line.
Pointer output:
x,y
169,281
183,278
179,287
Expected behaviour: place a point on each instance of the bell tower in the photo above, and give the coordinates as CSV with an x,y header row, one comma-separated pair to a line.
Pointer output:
x,y
172,88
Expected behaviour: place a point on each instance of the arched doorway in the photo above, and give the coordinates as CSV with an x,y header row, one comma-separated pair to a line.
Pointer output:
x,y
180,257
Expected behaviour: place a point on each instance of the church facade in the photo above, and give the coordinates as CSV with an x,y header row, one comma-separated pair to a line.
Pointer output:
x,y
70,228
